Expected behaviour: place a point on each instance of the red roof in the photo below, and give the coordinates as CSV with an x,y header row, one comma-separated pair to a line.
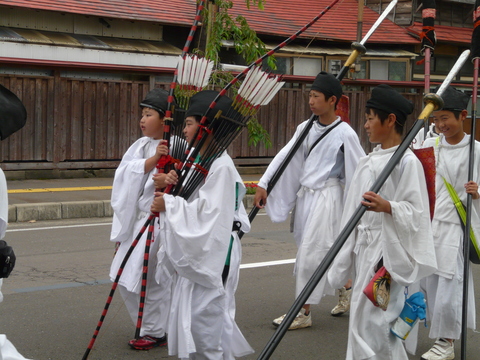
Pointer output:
x,y
280,17
445,33
181,12
285,17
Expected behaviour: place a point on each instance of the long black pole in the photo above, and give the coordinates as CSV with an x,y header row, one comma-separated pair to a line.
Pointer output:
x,y
433,102
358,49
475,47
342,237
468,222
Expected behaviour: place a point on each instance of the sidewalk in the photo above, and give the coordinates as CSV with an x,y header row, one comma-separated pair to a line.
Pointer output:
x,y
56,199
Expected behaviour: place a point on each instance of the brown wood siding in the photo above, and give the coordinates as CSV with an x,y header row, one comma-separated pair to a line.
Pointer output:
x,y
84,123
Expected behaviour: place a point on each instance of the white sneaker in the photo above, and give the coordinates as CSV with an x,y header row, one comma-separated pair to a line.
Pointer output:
x,y
343,302
441,350
300,321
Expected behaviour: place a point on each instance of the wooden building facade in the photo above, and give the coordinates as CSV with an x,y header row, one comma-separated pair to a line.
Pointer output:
x,y
82,71
89,123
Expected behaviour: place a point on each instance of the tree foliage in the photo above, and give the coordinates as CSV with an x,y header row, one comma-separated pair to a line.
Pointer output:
x,y
221,27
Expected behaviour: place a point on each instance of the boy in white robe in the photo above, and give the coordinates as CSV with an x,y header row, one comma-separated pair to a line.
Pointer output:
x,y
395,230
198,241
314,182
444,289
132,195
13,116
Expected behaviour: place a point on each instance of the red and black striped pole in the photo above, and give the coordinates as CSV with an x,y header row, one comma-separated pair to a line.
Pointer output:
x,y
143,291
112,291
162,167
151,219
191,155
475,52
165,160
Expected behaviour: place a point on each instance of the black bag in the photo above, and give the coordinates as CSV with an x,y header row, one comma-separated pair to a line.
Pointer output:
x,y
7,259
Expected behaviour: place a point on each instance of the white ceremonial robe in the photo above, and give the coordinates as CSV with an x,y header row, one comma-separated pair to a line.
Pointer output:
x,y
404,241
198,235
318,198
132,196
7,350
444,289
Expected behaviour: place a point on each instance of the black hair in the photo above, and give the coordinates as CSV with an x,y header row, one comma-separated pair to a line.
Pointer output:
x,y
383,115
161,114
197,118
456,113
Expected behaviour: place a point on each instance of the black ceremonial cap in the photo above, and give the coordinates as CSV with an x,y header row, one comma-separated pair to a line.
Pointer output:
x,y
13,114
156,99
453,99
388,99
328,85
200,102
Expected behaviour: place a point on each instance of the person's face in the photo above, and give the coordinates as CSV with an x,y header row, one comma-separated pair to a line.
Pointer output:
x,y
447,124
151,123
190,128
377,132
318,104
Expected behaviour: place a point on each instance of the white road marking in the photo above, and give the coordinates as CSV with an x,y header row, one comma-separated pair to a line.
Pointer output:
x,y
59,227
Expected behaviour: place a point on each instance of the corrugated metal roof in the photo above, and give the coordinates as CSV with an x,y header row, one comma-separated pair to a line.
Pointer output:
x,y
180,12
450,34
87,41
280,17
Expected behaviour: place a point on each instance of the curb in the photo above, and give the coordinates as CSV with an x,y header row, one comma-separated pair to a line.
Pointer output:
x,y
71,210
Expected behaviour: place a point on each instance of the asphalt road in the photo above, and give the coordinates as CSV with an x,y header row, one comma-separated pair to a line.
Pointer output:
x,y
55,296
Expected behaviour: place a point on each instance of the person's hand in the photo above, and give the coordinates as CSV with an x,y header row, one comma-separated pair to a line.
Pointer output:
x,y
158,204
375,202
260,198
162,148
472,188
159,180
171,178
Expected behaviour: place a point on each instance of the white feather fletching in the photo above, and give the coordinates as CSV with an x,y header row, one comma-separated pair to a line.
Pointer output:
x,y
259,88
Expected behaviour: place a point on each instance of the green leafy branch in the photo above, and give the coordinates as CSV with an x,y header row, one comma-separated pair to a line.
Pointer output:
x,y
222,27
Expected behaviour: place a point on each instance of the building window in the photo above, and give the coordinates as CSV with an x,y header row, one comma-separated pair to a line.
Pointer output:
x,y
379,69
397,70
388,70
283,65
307,66
334,66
